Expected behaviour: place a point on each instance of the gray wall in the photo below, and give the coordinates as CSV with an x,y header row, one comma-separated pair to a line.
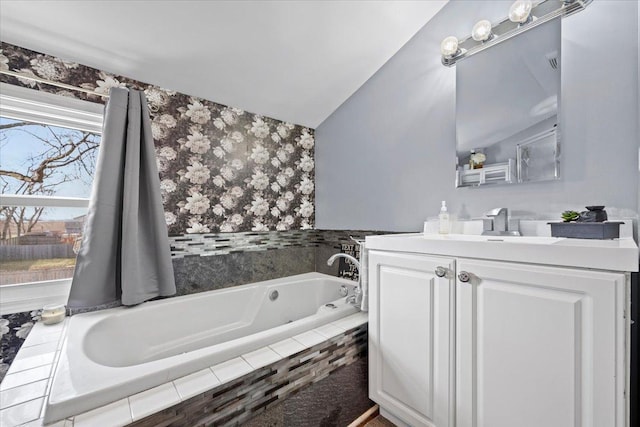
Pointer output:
x,y
385,158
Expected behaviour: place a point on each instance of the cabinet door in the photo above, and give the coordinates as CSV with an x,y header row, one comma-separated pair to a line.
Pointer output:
x,y
410,341
538,346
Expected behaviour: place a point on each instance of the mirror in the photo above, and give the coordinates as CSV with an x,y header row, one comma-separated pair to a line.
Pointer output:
x,y
507,99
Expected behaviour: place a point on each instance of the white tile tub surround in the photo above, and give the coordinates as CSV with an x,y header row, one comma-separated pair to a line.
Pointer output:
x,y
19,414
290,346
22,405
26,385
111,354
261,357
25,377
329,330
23,393
114,415
231,369
196,383
153,400
310,338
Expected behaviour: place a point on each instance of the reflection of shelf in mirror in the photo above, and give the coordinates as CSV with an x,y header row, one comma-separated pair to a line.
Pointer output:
x,y
538,157
489,174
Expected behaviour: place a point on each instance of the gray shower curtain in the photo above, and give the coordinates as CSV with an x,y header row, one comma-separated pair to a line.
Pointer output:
x,y
125,252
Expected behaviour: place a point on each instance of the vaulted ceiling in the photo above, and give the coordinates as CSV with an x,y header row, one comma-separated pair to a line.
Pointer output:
x,y
291,60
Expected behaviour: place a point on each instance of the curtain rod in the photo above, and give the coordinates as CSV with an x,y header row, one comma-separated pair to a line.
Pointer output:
x,y
52,83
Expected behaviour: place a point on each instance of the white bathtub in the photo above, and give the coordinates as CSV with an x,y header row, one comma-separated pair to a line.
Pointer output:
x,y
112,354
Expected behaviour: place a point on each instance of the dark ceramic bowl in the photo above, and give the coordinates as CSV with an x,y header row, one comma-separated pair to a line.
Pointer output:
x,y
595,208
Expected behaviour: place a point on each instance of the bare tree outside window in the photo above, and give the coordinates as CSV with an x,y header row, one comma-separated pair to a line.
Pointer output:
x,y
45,160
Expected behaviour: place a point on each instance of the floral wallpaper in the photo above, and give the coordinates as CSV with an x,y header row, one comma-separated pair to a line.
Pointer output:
x,y
14,328
222,169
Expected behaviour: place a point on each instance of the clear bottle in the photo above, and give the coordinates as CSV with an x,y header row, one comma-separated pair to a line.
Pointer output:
x,y
443,219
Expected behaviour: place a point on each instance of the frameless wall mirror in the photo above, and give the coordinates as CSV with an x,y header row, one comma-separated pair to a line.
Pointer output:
x,y
507,100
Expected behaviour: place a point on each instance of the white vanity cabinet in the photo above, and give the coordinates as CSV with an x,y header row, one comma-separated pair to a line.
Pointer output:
x,y
538,346
410,337
496,343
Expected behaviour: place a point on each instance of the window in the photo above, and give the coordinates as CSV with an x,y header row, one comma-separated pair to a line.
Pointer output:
x,y
48,149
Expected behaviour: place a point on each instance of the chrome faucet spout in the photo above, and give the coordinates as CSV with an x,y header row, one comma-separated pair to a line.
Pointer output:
x,y
356,298
498,212
497,223
500,220
332,259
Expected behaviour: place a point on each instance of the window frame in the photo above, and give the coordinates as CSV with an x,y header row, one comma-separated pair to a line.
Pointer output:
x,y
20,103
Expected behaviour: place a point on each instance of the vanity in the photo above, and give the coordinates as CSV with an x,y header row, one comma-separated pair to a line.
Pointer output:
x,y
473,331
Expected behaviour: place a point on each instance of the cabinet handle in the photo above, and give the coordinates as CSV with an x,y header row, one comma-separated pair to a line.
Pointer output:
x,y
463,276
441,271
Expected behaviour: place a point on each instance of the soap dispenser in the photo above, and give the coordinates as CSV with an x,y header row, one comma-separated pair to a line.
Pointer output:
x,y
443,219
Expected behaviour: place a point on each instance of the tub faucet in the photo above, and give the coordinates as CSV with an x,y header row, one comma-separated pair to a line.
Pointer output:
x,y
498,223
356,298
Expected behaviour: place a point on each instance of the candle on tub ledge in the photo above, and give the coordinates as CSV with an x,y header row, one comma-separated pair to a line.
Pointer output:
x,y
52,314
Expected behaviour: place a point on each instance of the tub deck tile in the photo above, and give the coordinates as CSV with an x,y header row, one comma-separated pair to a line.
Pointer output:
x,y
40,423
262,357
231,369
36,350
352,321
23,363
25,377
330,330
50,379
288,347
153,400
309,338
42,329
114,415
22,393
46,336
22,413
196,383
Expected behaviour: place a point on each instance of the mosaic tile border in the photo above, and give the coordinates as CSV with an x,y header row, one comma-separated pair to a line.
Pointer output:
x,y
225,243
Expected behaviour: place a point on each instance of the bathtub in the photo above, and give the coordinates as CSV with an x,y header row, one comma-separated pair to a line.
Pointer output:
x,y
111,354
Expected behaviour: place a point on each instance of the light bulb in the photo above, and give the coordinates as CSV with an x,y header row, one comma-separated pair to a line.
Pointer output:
x,y
481,31
519,11
449,46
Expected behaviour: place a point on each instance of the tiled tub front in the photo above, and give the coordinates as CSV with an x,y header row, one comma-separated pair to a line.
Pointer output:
x,y
241,399
229,393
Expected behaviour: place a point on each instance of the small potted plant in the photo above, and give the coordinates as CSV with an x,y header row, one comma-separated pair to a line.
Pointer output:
x,y
570,216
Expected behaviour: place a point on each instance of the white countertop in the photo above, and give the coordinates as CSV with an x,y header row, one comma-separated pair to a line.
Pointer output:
x,y
615,255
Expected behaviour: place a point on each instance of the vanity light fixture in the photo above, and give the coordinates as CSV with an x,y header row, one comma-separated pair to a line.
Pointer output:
x,y
520,11
449,47
481,32
523,16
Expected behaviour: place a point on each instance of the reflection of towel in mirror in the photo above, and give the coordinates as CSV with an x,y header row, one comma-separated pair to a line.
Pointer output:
x,y
364,276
